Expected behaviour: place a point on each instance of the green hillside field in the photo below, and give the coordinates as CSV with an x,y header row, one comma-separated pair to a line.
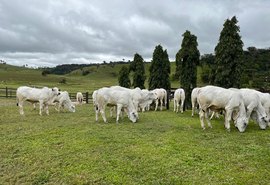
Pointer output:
x,y
163,147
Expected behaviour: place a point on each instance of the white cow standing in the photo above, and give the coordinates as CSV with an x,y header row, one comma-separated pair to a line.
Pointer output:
x,y
161,95
44,96
217,99
253,104
194,95
79,97
115,97
64,101
179,97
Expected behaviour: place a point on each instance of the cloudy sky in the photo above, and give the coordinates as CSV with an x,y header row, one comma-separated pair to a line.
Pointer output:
x,y
52,32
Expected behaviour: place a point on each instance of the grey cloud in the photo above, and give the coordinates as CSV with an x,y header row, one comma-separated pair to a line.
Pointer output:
x,y
80,31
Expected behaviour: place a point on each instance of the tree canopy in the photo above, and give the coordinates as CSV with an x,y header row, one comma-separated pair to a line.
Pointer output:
x,y
123,78
139,71
160,69
187,59
228,55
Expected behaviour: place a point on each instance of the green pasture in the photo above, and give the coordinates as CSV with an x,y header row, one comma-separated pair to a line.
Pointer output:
x,y
161,148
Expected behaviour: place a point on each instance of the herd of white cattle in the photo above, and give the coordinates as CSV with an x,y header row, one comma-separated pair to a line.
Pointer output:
x,y
237,105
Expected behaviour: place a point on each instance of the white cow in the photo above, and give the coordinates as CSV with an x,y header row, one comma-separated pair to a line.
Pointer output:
x,y
64,101
217,99
44,96
147,98
120,98
179,96
79,97
194,95
140,98
253,104
161,95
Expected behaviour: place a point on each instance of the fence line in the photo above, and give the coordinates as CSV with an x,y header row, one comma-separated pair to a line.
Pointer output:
x,y
11,93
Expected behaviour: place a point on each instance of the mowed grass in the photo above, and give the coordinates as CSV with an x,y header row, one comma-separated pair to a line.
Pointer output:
x,y
161,148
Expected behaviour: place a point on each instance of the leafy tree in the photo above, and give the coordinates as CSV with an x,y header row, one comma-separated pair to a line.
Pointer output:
x,y
123,78
208,65
160,69
139,72
229,52
187,59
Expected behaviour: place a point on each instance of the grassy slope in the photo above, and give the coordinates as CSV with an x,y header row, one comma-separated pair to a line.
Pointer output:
x,y
162,148
14,77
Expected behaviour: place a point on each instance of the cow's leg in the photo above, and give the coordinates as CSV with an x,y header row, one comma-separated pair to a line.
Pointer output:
x,y
156,104
40,107
47,108
202,114
212,115
207,119
182,106
34,106
102,112
111,111
96,110
118,109
177,106
161,104
21,107
174,105
228,117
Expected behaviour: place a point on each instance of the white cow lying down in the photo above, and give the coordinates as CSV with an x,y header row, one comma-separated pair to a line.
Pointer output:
x,y
179,96
44,96
64,101
115,97
217,99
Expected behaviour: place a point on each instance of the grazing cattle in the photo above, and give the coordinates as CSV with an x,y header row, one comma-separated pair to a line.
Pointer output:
x,y
161,95
253,104
64,101
265,101
194,95
179,96
147,98
115,97
44,96
79,97
140,98
217,99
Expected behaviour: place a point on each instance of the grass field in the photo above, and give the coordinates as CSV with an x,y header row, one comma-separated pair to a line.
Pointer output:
x,y
162,148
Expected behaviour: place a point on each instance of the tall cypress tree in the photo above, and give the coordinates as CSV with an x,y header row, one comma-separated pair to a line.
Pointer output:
x,y
139,72
229,52
188,58
123,78
159,69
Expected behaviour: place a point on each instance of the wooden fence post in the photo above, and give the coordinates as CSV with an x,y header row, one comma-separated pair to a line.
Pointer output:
x,y
6,92
86,97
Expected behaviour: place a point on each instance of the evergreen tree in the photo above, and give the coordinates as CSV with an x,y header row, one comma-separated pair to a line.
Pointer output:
x,y
160,69
139,72
229,52
188,58
123,78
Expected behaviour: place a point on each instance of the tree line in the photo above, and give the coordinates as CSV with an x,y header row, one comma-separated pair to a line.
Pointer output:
x,y
229,66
